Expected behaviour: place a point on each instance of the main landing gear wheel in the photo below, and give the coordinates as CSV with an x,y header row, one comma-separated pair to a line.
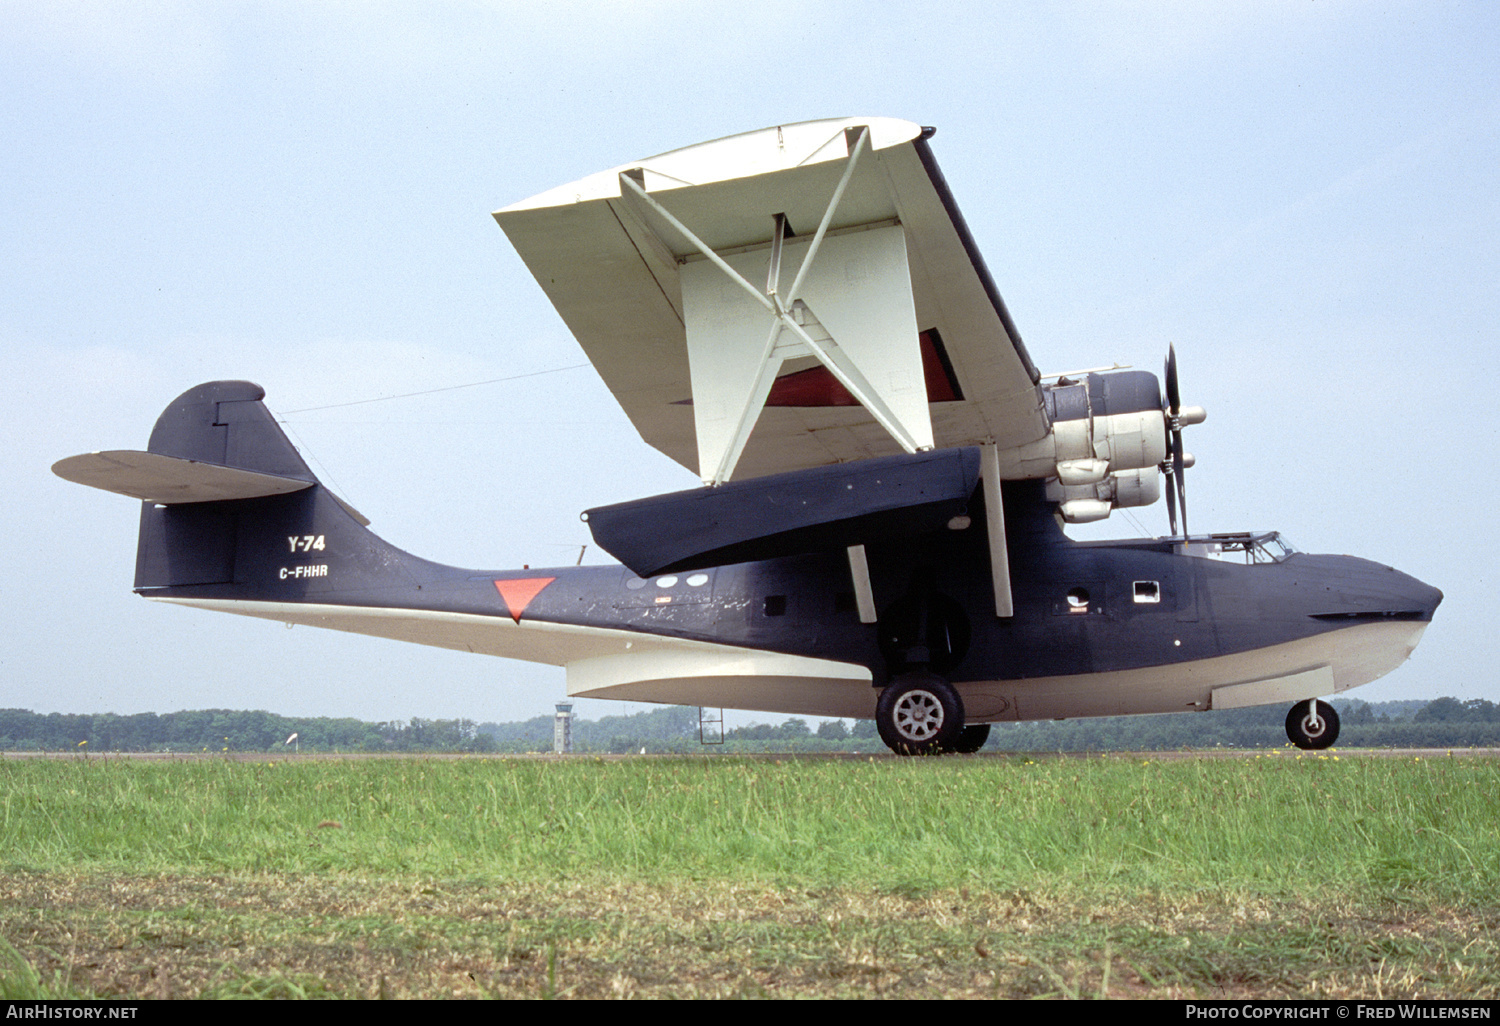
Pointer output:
x,y
920,714
1312,725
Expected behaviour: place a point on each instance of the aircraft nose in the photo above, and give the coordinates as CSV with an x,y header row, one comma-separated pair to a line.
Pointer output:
x,y
1361,589
1428,596
1410,596
1378,613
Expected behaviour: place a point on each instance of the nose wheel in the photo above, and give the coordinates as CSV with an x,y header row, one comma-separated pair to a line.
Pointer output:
x,y
1312,725
920,714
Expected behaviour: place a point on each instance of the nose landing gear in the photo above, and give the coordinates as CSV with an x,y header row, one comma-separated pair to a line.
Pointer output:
x,y
1312,725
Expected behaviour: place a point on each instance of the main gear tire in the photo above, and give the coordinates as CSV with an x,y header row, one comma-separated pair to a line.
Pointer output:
x,y
920,714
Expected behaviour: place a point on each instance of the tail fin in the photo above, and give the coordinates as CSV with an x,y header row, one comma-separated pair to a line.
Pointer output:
x,y
225,423
231,510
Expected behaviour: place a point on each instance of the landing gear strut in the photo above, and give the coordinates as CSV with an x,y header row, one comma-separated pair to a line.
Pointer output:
x,y
1312,725
919,713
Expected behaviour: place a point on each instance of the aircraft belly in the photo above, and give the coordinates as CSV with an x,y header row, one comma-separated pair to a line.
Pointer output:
x,y
1352,656
602,662
530,640
634,665
465,632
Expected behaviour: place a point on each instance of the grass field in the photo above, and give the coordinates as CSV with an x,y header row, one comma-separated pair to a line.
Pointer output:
x,y
1278,875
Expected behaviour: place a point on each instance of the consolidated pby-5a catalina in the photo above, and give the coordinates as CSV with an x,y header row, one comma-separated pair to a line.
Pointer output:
x,y
801,315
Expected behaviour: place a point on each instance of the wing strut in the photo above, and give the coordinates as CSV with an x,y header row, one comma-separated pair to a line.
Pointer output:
x,y
864,593
994,518
865,335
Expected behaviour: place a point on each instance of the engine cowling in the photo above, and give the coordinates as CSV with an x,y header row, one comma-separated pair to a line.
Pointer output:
x,y
1108,440
1083,504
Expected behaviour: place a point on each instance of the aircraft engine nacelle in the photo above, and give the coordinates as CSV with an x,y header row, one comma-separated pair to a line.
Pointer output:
x,y
1107,447
1112,418
1107,443
1101,424
1131,441
1084,504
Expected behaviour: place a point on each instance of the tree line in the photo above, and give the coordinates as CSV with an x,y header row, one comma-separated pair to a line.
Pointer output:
x,y
1442,723
228,730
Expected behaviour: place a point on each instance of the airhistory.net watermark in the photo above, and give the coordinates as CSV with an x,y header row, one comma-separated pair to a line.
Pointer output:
x,y
55,1010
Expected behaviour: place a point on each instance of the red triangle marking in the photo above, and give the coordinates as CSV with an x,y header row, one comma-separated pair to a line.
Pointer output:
x,y
519,593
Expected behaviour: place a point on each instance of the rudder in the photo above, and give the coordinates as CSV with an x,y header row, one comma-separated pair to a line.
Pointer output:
x,y
227,424
224,424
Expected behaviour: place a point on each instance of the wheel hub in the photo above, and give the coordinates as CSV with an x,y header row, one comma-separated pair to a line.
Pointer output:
x,y
919,715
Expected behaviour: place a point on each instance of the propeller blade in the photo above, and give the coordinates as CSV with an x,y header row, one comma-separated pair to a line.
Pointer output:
x,y
1180,466
1174,395
1177,485
1171,498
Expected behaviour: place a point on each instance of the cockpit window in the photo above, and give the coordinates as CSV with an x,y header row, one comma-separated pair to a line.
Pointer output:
x,y
1277,546
1270,547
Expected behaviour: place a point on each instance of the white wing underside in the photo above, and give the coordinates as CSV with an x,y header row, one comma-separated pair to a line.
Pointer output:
x,y
638,273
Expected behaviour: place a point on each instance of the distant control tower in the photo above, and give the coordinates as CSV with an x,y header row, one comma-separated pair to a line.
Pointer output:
x,y
562,729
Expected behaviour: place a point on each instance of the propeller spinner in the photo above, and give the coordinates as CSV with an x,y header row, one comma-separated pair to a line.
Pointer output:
x,y
1175,417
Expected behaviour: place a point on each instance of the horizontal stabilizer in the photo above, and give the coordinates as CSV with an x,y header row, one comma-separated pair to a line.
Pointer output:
x,y
169,480
786,514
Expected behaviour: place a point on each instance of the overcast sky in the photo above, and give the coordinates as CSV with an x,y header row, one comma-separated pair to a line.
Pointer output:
x,y
1302,196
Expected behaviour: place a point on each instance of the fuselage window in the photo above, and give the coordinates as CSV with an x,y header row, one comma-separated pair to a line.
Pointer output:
x,y
1147,592
775,605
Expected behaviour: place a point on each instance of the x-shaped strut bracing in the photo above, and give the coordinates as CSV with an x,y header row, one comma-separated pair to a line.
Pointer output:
x,y
866,336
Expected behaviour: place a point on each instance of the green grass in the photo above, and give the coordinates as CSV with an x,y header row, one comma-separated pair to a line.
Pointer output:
x,y
1279,874
1282,823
